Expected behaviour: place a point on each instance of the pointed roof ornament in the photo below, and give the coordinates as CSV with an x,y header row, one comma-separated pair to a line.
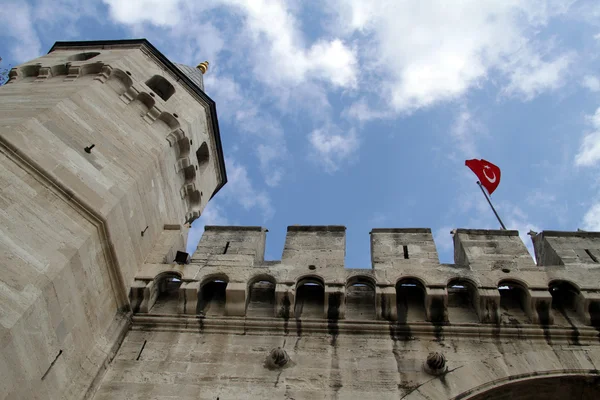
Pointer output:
x,y
203,67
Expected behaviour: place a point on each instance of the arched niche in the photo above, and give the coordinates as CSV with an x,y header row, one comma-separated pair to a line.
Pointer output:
x,y
213,296
513,303
310,298
360,298
119,81
261,297
410,300
83,56
566,300
142,104
166,292
462,301
161,86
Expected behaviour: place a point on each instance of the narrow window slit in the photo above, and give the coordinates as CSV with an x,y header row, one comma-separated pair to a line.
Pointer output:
x,y
405,252
226,247
51,365
142,349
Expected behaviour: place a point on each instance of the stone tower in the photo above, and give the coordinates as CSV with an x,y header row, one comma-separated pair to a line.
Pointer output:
x,y
108,150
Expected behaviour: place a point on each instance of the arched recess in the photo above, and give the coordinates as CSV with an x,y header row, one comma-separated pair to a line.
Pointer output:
x,y
183,147
60,69
161,86
29,73
166,286
513,303
119,81
410,300
310,298
91,69
565,302
462,301
142,104
360,298
83,56
212,296
261,297
561,387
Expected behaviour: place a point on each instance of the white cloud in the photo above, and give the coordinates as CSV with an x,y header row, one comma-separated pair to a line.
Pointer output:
x,y
589,151
463,130
535,76
332,147
591,83
431,51
236,106
17,23
240,189
591,219
279,55
157,12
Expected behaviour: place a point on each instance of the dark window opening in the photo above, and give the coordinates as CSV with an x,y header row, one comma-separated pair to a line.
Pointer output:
x,y
212,298
167,292
82,56
462,302
261,301
565,298
405,248
513,298
410,301
310,298
161,87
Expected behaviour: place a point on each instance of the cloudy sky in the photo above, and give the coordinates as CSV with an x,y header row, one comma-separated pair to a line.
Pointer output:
x,y
338,112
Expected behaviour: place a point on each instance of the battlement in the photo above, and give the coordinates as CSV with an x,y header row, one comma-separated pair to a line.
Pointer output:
x,y
493,279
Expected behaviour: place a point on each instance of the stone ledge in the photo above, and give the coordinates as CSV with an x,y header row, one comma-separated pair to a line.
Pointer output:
x,y
316,228
581,234
487,232
219,228
411,331
400,230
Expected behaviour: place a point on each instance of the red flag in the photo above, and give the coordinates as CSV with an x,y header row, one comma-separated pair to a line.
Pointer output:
x,y
488,173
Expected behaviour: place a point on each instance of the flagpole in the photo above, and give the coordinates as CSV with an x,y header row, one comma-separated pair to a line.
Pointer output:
x,y
490,203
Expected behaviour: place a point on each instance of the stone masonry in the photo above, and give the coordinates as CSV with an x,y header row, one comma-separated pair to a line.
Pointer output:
x,y
108,150
492,325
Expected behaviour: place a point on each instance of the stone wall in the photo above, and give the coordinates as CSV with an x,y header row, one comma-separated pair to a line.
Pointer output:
x,y
94,166
495,316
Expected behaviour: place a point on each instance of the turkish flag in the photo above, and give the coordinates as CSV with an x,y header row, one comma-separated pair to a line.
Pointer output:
x,y
488,173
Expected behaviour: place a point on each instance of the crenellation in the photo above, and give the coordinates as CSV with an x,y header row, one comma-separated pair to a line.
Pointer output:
x,y
490,249
567,248
397,248
321,246
519,291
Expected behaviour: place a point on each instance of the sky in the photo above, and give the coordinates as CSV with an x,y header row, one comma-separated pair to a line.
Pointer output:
x,y
362,114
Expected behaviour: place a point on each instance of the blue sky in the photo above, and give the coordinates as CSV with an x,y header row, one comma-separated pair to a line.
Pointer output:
x,y
362,113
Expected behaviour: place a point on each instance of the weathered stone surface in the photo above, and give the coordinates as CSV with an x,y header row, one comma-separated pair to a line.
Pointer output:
x,y
90,190
92,304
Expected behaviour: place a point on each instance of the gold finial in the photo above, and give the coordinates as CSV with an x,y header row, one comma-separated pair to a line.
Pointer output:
x,y
203,67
